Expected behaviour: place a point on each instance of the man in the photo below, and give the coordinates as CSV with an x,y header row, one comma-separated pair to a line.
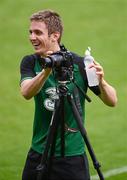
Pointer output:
x,y
45,35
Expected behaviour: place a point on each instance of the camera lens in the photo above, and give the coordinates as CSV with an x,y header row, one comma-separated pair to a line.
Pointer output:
x,y
55,60
47,62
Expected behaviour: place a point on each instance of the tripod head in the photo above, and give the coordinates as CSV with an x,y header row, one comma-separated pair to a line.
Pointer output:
x,y
63,89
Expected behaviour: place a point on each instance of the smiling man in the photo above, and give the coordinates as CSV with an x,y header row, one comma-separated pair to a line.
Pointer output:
x,y
45,36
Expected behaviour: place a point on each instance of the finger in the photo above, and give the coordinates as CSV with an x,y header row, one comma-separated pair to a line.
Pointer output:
x,y
96,63
49,52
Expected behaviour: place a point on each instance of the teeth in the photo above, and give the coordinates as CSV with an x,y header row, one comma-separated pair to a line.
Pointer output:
x,y
36,44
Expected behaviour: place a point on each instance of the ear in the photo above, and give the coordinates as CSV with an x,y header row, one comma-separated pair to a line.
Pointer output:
x,y
55,36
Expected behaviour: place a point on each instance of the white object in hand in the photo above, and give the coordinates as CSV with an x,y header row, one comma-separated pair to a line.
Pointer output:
x,y
90,71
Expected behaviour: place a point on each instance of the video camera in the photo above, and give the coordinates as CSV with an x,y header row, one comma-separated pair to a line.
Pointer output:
x,y
62,64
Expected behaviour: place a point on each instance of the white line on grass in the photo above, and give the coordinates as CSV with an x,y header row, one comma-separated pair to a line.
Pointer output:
x,y
112,172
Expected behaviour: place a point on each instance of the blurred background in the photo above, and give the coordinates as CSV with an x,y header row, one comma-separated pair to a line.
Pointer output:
x,y
100,24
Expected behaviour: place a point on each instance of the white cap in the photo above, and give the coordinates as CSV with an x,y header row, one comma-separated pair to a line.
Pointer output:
x,y
87,52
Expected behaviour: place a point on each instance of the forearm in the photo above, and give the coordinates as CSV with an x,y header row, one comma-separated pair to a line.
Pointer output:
x,y
108,93
31,87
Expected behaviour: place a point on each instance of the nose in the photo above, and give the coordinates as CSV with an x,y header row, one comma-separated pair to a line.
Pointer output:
x,y
32,36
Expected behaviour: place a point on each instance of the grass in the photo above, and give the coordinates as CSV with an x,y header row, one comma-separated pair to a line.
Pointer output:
x,y
118,177
100,24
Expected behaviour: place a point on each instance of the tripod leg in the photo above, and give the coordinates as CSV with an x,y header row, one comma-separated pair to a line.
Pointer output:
x,y
50,139
62,127
84,135
60,121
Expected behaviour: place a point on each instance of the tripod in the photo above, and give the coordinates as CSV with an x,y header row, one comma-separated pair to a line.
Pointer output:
x,y
46,161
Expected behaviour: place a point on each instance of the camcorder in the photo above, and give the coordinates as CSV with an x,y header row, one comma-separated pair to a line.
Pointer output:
x,y
61,63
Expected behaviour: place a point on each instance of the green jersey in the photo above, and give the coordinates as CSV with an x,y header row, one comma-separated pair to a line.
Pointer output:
x,y
44,107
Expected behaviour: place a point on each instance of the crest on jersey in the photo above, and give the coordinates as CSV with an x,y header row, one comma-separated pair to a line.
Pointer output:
x,y
49,102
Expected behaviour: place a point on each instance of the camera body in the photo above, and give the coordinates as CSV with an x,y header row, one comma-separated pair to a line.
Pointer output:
x,y
61,63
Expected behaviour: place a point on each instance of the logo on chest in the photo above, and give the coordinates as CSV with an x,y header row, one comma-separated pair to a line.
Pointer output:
x,y
49,102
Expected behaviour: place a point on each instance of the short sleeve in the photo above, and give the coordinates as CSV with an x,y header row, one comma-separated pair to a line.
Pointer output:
x,y
27,68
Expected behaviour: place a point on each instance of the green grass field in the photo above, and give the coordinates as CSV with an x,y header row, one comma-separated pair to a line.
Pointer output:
x,y
100,24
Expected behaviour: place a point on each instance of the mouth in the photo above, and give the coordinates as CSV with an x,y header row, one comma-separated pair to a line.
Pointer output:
x,y
36,45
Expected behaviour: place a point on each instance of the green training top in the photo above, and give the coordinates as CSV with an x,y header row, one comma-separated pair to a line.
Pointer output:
x,y
44,107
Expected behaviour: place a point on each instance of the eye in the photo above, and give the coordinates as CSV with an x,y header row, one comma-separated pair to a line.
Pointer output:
x,y
30,32
38,32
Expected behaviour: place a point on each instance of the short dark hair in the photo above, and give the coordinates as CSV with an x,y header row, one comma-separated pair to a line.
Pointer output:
x,y
51,19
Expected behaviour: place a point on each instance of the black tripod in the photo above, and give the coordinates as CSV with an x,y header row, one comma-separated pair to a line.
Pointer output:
x,y
46,161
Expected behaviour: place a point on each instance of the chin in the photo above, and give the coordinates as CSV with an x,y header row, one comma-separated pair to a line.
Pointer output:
x,y
38,52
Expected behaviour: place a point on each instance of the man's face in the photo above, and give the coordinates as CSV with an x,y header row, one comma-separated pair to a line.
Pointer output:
x,y
40,39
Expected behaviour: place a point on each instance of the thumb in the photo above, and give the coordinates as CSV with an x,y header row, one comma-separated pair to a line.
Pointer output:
x,y
49,52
